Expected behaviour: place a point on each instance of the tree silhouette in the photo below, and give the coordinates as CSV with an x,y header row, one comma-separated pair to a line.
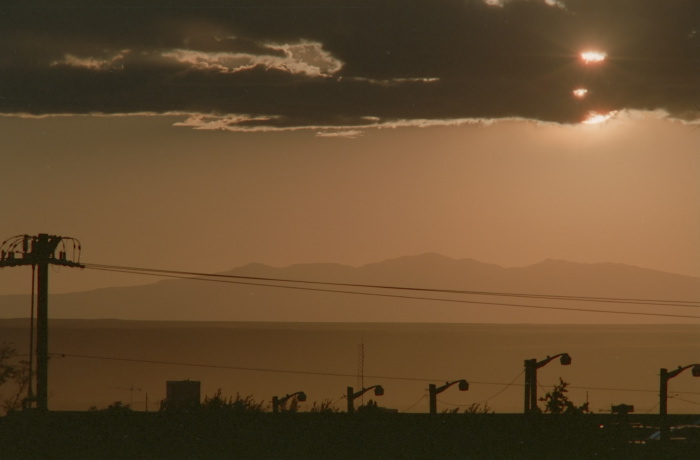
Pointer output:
x,y
557,402
17,374
7,370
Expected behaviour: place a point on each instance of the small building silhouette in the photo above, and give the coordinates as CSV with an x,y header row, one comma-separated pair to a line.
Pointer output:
x,y
622,409
182,394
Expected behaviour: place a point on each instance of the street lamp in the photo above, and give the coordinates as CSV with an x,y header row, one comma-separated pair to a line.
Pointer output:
x,y
378,391
663,387
433,391
280,402
531,366
665,375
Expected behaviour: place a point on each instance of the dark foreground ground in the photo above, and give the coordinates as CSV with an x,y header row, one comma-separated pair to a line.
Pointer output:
x,y
223,434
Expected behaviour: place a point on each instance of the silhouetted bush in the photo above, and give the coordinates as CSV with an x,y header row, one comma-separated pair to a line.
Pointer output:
x,y
237,404
557,402
14,375
116,406
324,407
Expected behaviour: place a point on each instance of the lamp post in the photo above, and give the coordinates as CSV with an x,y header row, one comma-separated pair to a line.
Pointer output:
x,y
351,395
433,391
664,377
280,402
531,366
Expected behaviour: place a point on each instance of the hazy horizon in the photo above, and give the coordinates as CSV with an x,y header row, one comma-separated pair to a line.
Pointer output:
x,y
611,364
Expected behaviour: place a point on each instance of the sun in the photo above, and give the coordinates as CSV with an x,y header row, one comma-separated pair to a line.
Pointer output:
x,y
590,57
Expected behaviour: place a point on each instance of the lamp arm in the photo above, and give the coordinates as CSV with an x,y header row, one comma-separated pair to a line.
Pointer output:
x,y
547,360
363,391
286,398
680,369
446,386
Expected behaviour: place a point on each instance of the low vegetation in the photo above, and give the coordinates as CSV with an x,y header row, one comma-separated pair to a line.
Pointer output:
x,y
557,401
14,379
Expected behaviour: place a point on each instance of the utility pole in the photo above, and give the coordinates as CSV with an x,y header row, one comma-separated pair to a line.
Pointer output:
x,y
40,252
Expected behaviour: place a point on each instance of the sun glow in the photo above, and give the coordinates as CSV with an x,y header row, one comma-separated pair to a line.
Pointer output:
x,y
595,118
580,92
593,56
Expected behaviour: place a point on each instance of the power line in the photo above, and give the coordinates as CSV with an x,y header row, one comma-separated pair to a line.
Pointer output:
x,y
670,303
685,400
217,366
329,374
498,393
184,275
414,404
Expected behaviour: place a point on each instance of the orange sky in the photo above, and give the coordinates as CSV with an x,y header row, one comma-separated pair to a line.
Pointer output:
x,y
138,191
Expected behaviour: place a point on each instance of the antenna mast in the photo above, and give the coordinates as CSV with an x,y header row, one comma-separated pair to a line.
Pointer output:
x,y
361,367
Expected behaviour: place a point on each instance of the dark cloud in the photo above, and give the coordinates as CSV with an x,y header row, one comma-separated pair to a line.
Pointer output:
x,y
349,63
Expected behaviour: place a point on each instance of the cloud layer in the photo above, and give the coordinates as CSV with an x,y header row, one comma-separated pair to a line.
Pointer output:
x,y
274,64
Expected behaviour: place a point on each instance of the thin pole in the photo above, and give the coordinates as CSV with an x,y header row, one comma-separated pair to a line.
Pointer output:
x,y
30,390
432,390
663,392
351,406
533,388
663,403
528,384
42,250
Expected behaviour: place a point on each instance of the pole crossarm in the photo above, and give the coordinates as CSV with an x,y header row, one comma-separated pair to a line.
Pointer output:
x,y
33,250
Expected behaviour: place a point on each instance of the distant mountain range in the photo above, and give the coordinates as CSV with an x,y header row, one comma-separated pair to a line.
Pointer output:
x,y
177,299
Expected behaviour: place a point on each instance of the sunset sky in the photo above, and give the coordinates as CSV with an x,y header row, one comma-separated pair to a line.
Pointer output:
x,y
207,137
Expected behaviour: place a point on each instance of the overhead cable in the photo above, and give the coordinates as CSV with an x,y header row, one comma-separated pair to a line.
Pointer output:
x,y
396,296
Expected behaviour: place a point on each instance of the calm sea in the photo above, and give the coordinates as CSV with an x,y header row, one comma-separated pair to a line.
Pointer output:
x,y
95,363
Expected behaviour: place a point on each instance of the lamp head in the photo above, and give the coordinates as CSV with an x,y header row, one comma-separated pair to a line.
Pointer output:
x,y
463,385
696,370
565,359
301,396
378,390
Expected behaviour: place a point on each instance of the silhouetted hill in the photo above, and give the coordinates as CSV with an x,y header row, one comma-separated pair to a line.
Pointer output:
x,y
206,301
